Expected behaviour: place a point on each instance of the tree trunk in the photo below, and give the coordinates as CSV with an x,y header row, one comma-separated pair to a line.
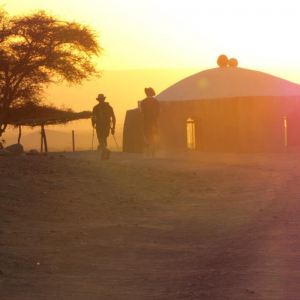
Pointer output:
x,y
2,128
6,100
3,123
4,109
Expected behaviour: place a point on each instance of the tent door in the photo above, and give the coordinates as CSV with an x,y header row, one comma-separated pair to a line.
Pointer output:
x,y
194,133
292,130
191,133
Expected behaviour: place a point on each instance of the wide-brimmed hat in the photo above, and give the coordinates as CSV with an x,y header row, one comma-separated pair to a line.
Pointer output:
x,y
100,97
150,92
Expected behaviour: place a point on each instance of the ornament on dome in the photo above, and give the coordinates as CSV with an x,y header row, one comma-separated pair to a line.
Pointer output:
x,y
233,62
222,61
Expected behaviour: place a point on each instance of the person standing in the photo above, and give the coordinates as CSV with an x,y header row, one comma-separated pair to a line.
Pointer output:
x,y
104,120
150,110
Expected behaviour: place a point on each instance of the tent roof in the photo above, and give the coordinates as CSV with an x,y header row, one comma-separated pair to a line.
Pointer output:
x,y
227,83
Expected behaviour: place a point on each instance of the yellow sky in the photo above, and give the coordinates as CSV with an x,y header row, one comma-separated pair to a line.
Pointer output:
x,y
261,34
189,34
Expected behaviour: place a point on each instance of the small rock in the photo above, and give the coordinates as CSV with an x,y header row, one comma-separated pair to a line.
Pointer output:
x,y
14,185
61,156
210,189
15,149
59,186
32,152
4,152
52,269
1,272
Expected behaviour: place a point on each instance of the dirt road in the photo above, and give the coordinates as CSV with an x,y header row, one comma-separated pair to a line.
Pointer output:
x,y
188,226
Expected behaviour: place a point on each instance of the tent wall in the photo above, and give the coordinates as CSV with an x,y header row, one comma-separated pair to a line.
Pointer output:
x,y
246,124
133,140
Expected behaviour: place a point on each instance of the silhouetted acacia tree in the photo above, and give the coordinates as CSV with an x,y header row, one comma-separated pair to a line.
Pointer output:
x,y
37,50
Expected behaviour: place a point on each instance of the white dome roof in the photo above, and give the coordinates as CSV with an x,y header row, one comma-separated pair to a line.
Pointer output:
x,y
227,83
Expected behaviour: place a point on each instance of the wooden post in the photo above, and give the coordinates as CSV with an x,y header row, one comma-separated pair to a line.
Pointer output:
x,y
45,139
20,134
73,140
42,139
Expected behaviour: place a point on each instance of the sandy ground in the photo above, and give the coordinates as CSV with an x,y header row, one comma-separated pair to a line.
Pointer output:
x,y
187,226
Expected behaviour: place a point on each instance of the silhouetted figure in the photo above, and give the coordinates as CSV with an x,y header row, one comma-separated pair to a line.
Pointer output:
x,y
104,118
150,110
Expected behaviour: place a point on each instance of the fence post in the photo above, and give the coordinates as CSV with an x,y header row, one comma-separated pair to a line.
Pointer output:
x,y
45,139
20,134
42,139
73,140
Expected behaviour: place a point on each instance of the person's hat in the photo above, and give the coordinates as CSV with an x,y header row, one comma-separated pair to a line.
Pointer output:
x,y
150,92
100,97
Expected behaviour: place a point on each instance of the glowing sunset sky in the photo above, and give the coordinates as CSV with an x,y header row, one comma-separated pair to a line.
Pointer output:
x,y
141,34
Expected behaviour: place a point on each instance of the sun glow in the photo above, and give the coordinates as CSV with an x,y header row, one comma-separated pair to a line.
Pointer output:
x,y
185,34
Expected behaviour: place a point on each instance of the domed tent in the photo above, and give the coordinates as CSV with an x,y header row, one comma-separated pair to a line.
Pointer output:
x,y
224,110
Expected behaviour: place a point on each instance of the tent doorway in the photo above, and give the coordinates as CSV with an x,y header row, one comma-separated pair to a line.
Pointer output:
x,y
191,133
194,133
292,130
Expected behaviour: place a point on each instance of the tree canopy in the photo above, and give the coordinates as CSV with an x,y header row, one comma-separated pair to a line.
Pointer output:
x,y
37,50
34,115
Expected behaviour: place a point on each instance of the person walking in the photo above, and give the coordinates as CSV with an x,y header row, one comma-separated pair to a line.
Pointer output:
x,y
150,110
104,120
